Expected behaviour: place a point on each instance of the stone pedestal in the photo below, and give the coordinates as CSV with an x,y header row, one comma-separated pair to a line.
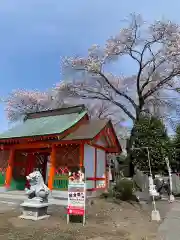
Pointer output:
x,y
34,211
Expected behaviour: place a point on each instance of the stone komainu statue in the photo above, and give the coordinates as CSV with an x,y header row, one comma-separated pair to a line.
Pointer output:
x,y
38,190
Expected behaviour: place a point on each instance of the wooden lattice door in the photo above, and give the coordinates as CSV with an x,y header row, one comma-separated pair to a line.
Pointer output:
x,y
4,155
66,157
41,164
19,171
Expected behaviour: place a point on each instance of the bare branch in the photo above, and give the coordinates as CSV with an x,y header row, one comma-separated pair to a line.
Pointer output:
x,y
103,97
117,91
160,84
156,49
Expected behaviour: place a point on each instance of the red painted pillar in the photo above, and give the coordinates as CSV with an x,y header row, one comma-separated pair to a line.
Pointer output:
x,y
81,155
52,168
9,168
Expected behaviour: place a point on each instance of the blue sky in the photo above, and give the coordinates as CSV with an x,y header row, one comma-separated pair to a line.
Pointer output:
x,y
35,33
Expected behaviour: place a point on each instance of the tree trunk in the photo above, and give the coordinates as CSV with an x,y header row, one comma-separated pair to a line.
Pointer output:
x,y
129,146
130,142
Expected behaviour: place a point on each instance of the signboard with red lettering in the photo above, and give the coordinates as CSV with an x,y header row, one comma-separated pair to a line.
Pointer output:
x,y
76,196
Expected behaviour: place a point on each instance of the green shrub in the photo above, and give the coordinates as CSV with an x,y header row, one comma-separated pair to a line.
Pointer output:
x,y
108,194
124,189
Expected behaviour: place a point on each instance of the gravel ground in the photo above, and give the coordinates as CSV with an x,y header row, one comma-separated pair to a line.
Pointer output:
x,y
111,221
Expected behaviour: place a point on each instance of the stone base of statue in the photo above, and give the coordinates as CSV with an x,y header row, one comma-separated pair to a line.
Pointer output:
x,y
33,209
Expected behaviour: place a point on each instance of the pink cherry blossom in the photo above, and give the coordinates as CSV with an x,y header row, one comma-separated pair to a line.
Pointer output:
x,y
20,102
155,50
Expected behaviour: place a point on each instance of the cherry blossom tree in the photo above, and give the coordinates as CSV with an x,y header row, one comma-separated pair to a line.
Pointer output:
x,y
154,49
99,109
174,119
21,102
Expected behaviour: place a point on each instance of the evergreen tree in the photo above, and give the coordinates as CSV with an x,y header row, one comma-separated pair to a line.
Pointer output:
x,y
176,149
150,132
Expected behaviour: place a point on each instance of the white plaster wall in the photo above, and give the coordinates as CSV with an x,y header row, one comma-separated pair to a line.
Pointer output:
x,y
89,184
100,168
89,153
101,156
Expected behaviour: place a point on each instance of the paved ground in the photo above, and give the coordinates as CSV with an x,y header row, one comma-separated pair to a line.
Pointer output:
x,y
6,206
20,197
170,227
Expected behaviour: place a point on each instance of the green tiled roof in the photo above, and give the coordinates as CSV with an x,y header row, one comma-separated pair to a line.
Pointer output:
x,y
43,126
